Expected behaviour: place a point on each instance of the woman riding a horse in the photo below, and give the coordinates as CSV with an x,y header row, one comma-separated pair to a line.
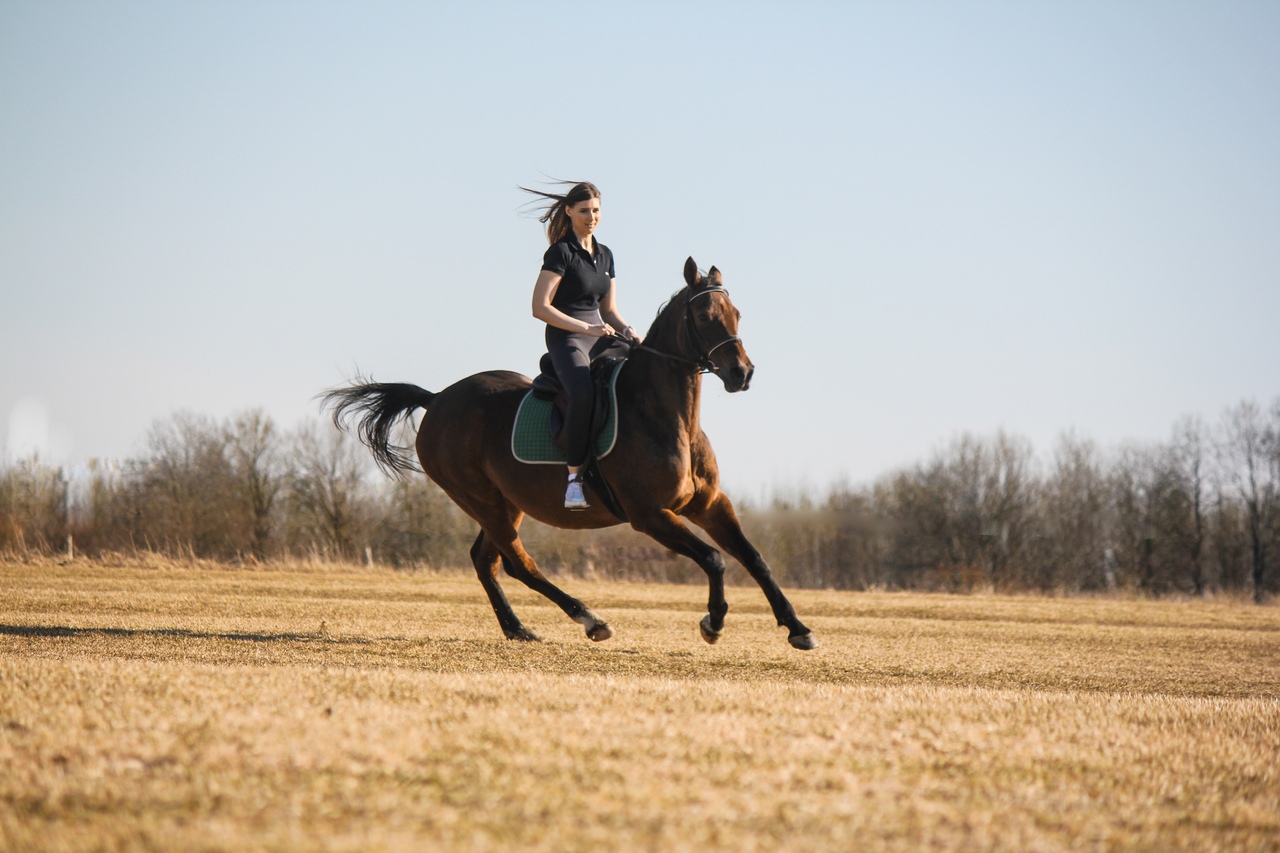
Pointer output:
x,y
661,471
576,296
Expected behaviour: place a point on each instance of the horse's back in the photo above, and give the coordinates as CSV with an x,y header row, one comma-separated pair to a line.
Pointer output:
x,y
489,382
468,418
480,396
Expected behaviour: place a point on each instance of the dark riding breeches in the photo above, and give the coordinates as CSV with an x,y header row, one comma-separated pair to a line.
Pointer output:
x,y
572,354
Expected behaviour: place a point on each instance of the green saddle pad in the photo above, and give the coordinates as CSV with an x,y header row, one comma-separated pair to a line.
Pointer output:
x,y
531,436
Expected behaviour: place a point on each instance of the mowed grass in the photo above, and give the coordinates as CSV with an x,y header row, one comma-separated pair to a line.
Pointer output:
x,y
148,705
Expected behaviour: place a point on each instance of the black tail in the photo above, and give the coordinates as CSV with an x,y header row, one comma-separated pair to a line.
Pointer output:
x,y
377,406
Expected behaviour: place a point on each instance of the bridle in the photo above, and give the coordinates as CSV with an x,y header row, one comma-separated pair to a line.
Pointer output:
x,y
703,362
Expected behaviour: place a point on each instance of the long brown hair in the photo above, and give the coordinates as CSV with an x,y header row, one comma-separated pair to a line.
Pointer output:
x,y
555,214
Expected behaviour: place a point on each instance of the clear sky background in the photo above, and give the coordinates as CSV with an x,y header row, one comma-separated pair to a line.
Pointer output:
x,y
935,217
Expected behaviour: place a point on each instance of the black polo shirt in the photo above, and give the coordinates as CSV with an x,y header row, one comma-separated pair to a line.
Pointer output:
x,y
584,278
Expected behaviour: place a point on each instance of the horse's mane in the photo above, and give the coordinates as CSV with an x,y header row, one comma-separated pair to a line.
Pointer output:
x,y
667,306
670,314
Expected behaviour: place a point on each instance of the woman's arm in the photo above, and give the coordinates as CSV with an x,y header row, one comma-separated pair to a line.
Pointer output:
x,y
544,290
609,313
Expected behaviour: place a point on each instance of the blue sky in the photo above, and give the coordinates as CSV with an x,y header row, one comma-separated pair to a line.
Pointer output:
x,y
935,217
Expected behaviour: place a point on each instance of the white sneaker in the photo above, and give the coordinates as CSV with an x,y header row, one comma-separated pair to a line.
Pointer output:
x,y
573,496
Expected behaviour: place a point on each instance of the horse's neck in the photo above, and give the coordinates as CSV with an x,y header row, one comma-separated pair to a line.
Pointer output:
x,y
670,392
674,389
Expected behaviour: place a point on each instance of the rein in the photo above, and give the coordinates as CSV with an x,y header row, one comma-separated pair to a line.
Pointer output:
x,y
703,361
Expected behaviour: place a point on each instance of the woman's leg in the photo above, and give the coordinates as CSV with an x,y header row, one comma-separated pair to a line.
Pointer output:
x,y
573,369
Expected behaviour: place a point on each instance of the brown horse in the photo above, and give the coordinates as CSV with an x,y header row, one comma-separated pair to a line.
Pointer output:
x,y
661,469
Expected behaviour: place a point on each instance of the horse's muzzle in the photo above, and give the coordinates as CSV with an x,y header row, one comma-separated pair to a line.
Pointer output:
x,y
738,378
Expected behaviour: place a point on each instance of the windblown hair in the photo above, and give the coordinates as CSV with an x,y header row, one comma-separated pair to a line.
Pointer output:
x,y
555,214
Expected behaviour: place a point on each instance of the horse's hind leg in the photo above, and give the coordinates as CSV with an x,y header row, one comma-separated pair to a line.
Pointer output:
x,y
486,557
499,521
521,566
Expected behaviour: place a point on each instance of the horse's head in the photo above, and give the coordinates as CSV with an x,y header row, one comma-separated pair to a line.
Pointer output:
x,y
711,322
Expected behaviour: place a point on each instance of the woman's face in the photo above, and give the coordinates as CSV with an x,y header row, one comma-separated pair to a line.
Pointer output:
x,y
585,216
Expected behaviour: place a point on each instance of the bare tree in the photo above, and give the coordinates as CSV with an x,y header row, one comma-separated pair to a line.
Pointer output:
x,y
1189,449
253,448
184,488
1007,501
1128,512
964,517
1228,539
33,505
417,523
917,526
1245,453
1072,546
1273,477
855,551
328,493
1152,518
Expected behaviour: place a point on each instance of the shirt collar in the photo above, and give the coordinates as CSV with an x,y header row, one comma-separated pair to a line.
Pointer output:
x,y
572,239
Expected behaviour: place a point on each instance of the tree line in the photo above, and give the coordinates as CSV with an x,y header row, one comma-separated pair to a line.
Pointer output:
x,y
237,491
1196,514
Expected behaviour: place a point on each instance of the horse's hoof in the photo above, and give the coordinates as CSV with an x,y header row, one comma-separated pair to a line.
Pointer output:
x,y
524,635
708,633
597,628
803,642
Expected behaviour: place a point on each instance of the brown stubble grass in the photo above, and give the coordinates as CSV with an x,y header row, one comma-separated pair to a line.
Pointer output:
x,y
151,705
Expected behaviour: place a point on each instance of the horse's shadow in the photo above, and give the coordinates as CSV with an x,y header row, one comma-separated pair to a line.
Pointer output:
x,y
46,631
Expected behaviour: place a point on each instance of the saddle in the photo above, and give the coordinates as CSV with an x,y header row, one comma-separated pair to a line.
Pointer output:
x,y
546,386
537,437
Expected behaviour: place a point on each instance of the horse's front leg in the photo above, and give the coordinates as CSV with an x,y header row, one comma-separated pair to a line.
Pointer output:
x,y
667,528
721,524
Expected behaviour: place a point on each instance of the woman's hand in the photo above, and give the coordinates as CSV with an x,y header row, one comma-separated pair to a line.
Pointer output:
x,y
600,330
631,334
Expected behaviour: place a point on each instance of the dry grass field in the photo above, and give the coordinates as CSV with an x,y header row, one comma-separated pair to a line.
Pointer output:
x,y
146,705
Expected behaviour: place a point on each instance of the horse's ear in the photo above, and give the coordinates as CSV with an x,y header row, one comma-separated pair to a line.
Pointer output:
x,y
690,272
715,278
